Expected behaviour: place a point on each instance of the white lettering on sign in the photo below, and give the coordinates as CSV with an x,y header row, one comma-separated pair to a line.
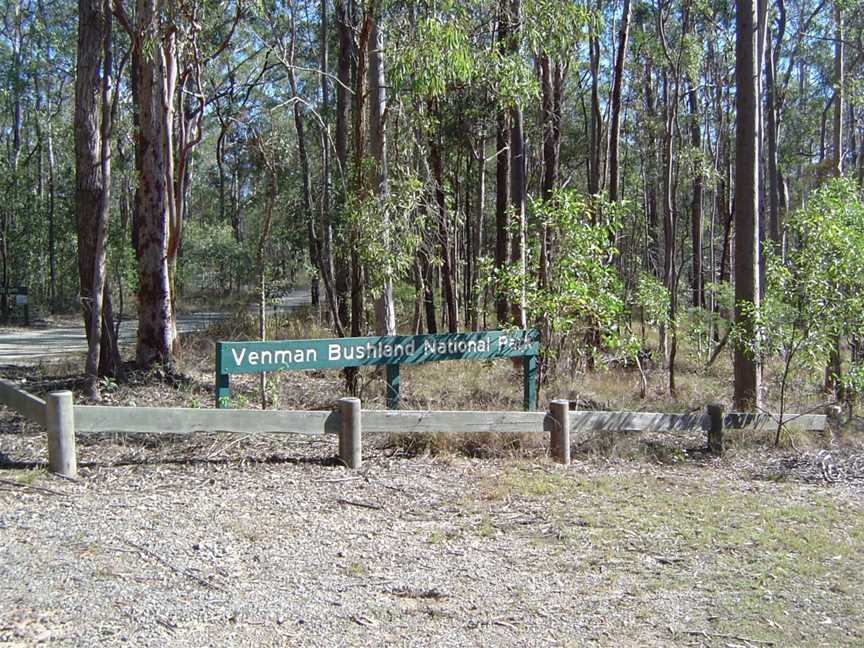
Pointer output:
x,y
452,347
283,357
369,351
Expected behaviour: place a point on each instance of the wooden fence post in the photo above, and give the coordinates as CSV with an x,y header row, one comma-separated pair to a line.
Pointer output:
x,y
350,439
715,429
60,421
833,414
559,440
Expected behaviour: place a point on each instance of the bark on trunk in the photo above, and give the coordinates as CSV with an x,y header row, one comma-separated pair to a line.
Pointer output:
x,y
447,281
502,179
596,123
92,179
834,370
746,374
326,254
343,74
615,117
696,205
517,181
476,239
385,312
155,331
772,127
551,84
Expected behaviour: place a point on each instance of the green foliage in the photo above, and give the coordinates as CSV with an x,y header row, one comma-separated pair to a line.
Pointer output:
x,y
556,27
212,259
584,288
440,57
515,81
817,295
653,298
700,323
386,229
582,296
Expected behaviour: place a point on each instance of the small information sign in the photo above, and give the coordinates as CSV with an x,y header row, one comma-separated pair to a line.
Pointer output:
x,y
390,351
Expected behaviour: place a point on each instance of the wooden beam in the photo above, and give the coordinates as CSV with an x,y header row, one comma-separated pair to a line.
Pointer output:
x,y
377,421
25,404
157,420
799,422
164,420
636,422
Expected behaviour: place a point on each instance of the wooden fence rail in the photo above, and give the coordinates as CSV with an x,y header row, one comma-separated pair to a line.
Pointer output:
x,y
55,415
62,419
27,405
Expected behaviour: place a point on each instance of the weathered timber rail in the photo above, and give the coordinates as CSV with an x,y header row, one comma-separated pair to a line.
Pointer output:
x,y
349,422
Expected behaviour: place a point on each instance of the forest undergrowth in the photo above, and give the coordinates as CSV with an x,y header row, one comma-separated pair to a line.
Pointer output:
x,y
612,385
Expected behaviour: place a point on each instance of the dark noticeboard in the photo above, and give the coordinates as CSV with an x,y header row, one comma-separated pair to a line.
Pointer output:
x,y
390,351
16,303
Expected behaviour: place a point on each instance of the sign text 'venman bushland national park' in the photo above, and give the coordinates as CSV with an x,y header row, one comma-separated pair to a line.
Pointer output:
x,y
392,351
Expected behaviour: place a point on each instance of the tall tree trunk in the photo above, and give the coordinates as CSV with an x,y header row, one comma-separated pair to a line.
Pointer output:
x,y
773,130
313,242
502,179
596,122
306,184
839,95
91,368
615,113
155,330
326,253
654,250
52,224
343,75
670,100
447,281
517,180
476,238
385,313
92,180
746,374
834,370
551,76
696,205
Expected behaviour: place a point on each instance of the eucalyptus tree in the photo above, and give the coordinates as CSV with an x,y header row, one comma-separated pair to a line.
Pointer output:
x,y
746,372
615,101
93,116
168,55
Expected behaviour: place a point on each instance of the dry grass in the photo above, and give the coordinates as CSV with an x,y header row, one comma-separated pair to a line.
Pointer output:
x,y
770,563
457,385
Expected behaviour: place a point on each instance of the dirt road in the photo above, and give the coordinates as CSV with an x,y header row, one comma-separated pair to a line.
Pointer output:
x,y
28,346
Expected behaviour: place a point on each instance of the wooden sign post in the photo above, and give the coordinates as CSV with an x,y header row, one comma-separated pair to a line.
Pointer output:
x,y
390,351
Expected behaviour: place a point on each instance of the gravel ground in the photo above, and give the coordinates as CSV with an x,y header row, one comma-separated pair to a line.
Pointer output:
x,y
261,541
286,551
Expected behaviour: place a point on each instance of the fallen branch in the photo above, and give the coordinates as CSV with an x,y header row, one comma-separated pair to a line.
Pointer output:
x,y
336,480
177,570
374,507
718,348
717,635
37,489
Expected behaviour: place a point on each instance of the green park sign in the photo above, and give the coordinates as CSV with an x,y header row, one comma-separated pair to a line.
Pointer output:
x,y
390,351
